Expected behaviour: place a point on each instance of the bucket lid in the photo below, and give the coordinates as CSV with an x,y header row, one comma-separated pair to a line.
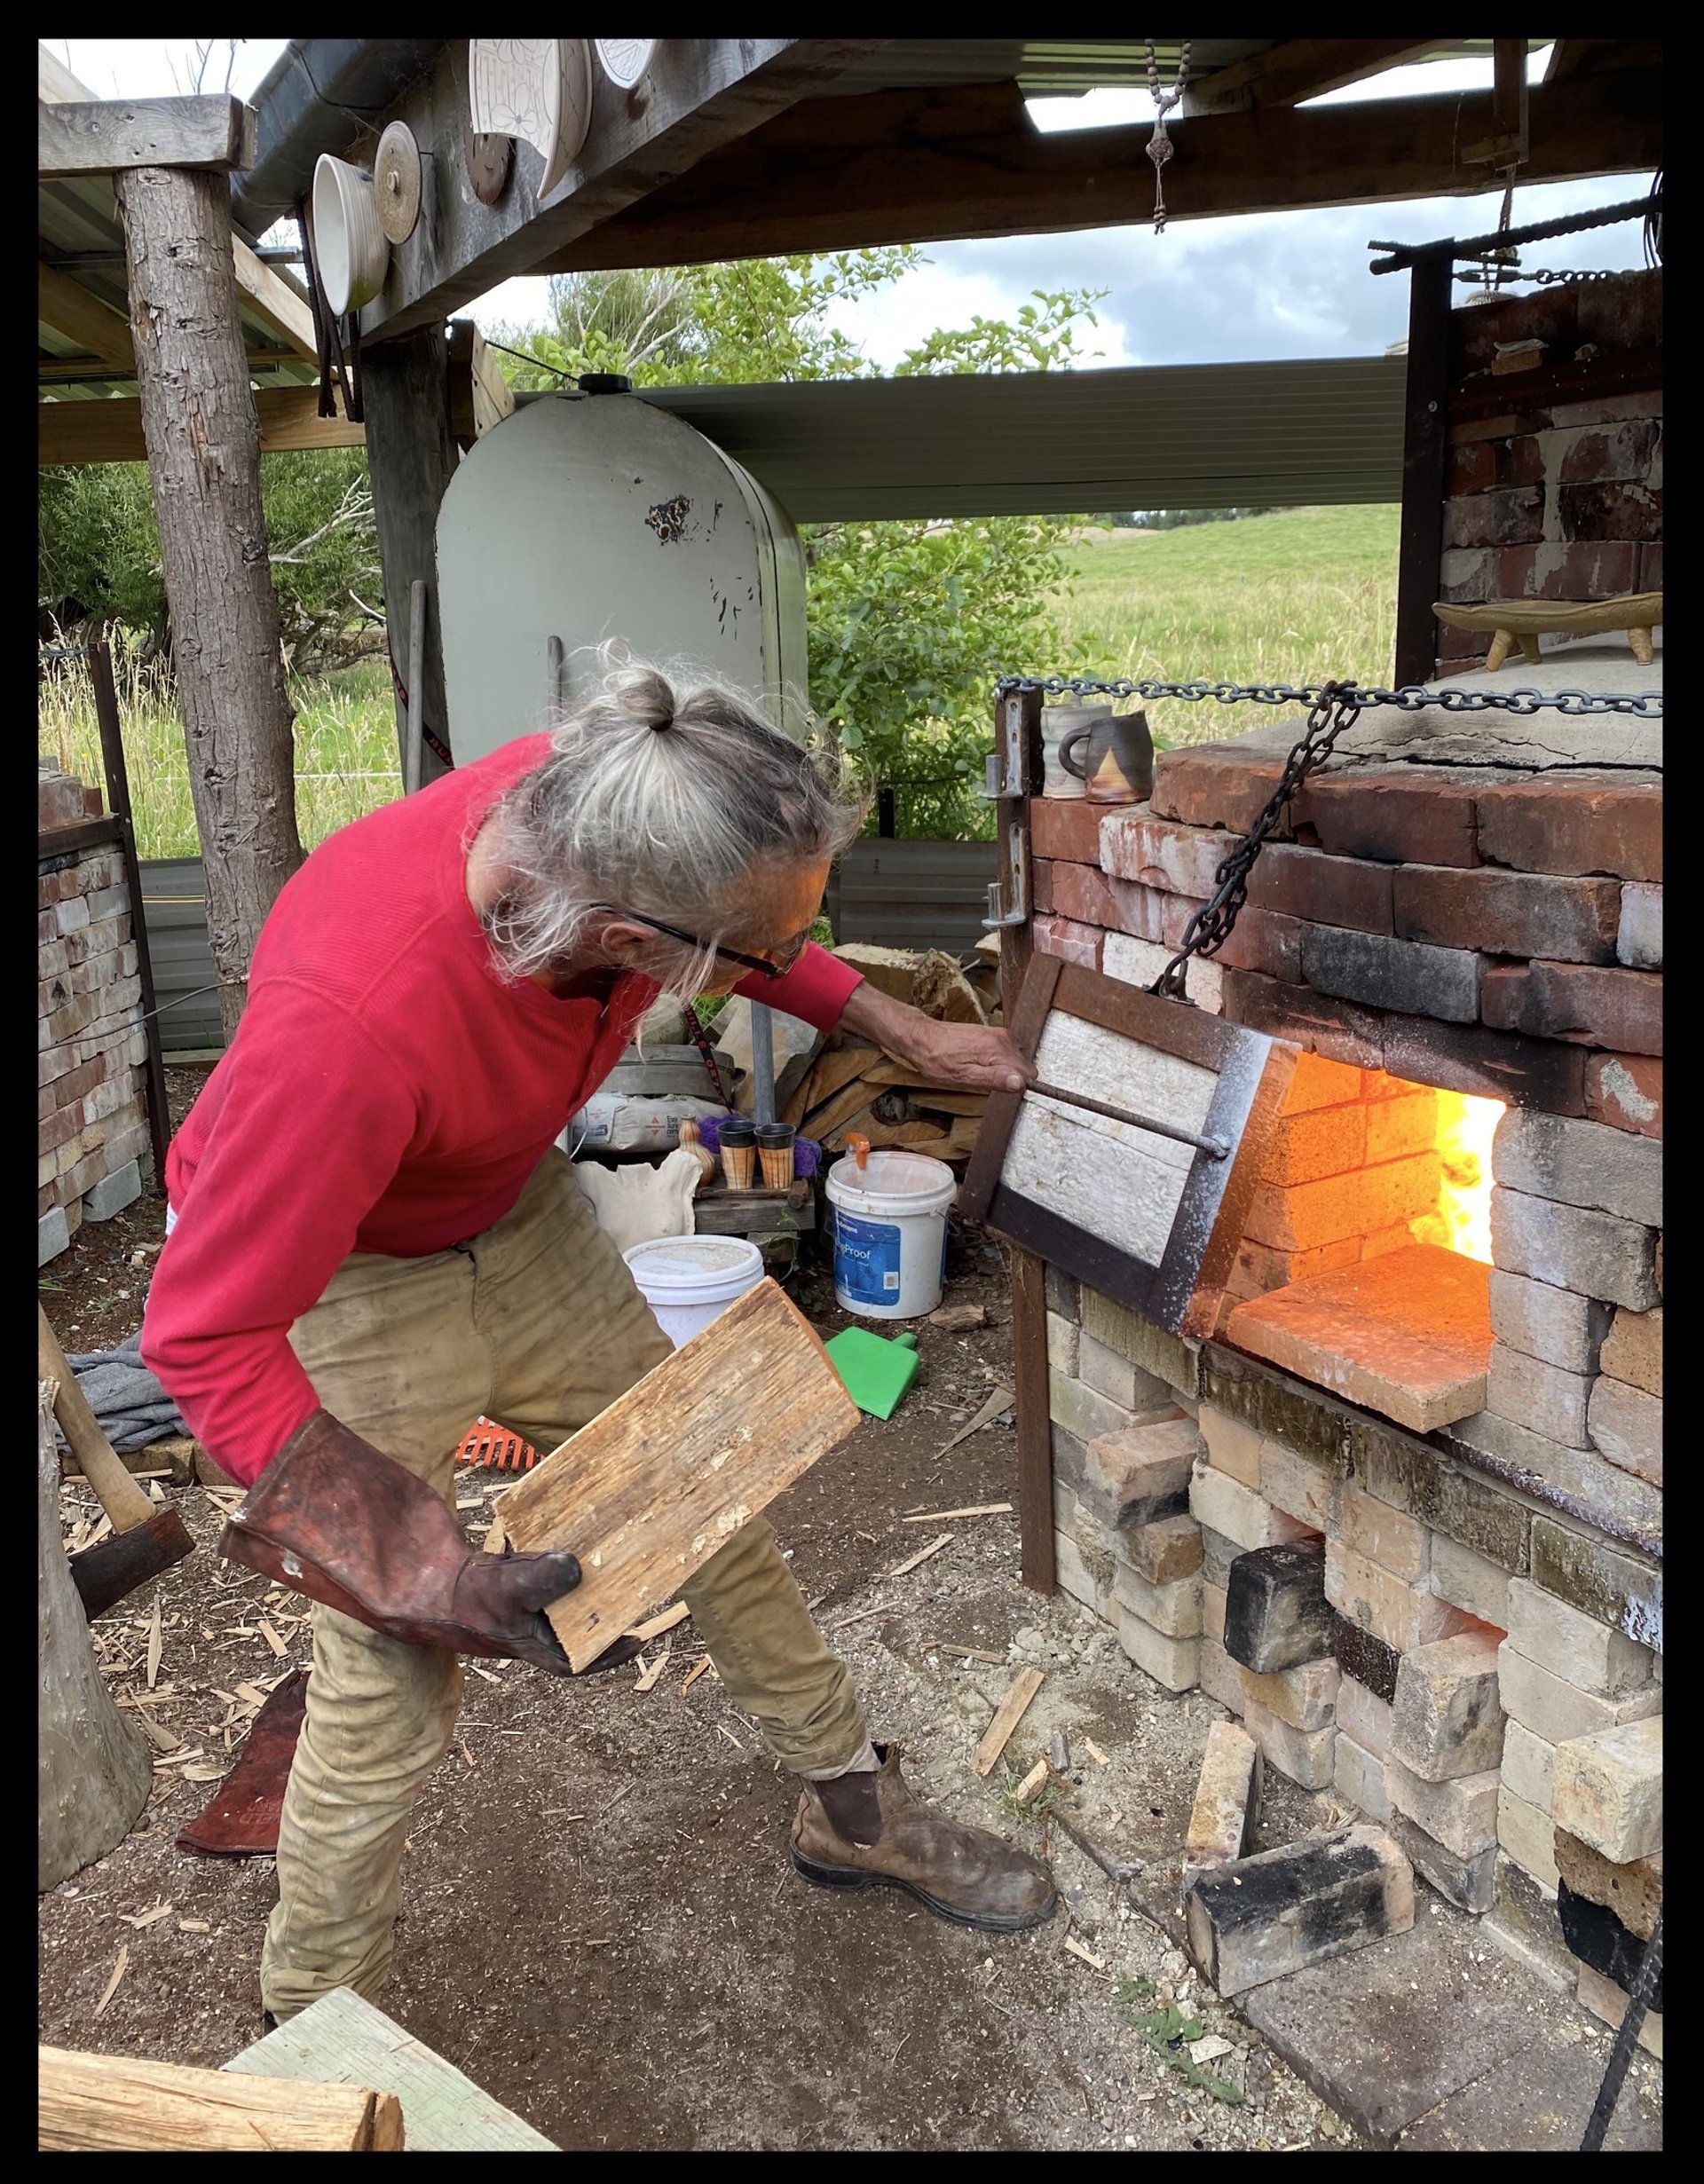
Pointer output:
x,y
689,1262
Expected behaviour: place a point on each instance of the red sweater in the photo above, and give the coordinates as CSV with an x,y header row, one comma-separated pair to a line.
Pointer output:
x,y
386,1091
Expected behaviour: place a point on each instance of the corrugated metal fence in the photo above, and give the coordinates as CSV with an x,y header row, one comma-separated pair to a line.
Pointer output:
x,y
897,894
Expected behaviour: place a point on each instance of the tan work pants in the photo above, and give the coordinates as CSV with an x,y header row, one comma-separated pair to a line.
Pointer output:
x,y
536,1323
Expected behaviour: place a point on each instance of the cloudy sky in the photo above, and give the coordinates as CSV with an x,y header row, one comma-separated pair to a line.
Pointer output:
x,y
1264,287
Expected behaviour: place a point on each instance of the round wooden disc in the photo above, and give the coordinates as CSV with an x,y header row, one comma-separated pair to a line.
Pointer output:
x,y
489,160
395,181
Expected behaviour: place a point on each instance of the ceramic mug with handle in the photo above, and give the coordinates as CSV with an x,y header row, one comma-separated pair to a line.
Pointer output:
x,y
1112,755
1057,722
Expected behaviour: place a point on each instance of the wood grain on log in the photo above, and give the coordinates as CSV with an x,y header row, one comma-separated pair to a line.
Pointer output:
x,y
114,2104
654,1485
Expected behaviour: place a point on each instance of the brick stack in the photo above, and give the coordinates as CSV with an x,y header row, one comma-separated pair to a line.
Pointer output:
x,y
1554,481
91,1110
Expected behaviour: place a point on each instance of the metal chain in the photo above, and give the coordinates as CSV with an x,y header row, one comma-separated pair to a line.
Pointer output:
x,y
1209,928
1412,697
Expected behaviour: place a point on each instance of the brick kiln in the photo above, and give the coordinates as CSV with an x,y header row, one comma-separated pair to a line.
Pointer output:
x,y
1401,1513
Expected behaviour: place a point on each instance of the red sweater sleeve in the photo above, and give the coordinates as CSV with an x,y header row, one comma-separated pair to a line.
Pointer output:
x,y
315,1120
815,991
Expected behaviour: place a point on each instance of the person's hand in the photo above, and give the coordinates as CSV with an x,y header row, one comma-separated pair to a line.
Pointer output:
x,y
972,1057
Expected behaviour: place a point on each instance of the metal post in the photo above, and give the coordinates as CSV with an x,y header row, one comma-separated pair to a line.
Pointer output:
x,y
762,1062
118,802
1425,467
412,747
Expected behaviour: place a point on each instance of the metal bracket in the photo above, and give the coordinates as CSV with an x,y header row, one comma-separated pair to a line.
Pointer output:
x,y
1008,897
996,918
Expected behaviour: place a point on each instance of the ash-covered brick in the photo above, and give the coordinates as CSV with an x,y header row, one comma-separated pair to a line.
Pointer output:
x,y
1597,1937
1227,1802
1469,1581
1174,1610
1511,518
1323,890
1595,1489
1395,816
1632,1892
1578,826
1362,1710
1061,1294
1338,1029
1168,1357
1632,1350
1446,1720
1543,1398
1305,1697
1139,963
1601,1580
1305,1490
1174,1663
1626,1425
1390,1538
1487,1063
1165,1550
1607,1788
1518,913
1598,1255
1467,1882
1402,1615
1562,1713
1217,1553
1582,1003
1110,1374
1625,1091
1275,1610
1638,941
1581,1163
1061,1344
1556,1326
1383,973
1304,1755
1461,1812
1215,785
1259,1918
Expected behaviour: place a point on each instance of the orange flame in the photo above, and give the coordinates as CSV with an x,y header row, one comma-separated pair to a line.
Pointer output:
x,y
1463,1221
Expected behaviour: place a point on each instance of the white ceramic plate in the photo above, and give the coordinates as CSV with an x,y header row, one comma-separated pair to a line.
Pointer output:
x,y
624,60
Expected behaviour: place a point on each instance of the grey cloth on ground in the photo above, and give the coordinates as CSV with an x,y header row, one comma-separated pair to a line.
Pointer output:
x,y
131,1406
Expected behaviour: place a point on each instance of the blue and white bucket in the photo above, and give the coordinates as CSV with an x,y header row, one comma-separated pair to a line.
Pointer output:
x,y
891,1232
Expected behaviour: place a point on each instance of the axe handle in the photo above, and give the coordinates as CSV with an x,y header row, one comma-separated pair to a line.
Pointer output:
x,y
120,1497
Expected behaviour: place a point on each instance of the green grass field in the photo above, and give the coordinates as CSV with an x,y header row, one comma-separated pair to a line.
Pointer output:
x,y
1296,596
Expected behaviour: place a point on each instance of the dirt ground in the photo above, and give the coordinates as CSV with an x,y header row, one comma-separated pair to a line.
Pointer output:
x,y
600,1921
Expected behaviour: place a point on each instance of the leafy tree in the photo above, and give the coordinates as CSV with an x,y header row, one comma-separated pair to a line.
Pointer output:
x,y
910,622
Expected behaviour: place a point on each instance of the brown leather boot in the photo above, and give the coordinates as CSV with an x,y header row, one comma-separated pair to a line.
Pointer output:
x,y
862,1830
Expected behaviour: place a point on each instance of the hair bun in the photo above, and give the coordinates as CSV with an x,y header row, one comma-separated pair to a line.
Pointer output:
x,y
668,721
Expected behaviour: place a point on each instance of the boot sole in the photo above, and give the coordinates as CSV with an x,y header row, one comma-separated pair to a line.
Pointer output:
x,y
853,1878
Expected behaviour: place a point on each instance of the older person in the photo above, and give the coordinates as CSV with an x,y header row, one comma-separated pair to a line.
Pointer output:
x,y
375,1240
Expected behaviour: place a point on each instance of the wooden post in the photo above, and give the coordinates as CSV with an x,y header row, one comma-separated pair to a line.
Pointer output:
x,y
411,455
203,446
93,1768
118,802
1426,466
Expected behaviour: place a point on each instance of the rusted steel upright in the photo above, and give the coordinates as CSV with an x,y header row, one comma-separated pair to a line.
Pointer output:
x,y
1425,465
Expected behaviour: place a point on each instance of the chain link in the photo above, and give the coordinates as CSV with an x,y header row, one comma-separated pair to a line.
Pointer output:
x,y
1412,697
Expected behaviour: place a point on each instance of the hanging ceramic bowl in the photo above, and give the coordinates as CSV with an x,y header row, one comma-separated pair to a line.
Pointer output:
x,y
624,60
351,253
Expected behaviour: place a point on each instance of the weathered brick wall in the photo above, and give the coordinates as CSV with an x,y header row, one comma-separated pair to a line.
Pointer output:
x,y
92,1130
1555,479
1485,1572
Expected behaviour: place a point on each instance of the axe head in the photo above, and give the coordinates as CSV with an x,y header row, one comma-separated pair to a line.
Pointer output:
x,y
105,1574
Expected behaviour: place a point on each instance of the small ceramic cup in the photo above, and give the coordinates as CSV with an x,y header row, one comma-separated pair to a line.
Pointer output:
x,y
737,1142
775,1153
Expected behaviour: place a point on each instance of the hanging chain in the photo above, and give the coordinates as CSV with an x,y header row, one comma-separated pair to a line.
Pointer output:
x,y
1209,928
1159,143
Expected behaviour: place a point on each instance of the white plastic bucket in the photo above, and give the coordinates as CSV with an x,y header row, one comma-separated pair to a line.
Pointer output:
x,y
688,1279
890,1233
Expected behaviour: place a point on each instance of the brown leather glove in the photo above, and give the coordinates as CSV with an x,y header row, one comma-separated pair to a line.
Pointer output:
x,y
335,1518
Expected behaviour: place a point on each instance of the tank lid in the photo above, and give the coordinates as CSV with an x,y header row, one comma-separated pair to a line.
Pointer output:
x,y
604,382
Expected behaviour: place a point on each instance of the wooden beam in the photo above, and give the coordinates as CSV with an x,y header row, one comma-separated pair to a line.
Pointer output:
x,y
699,94
480,397
81,316
268,296
111,431
104,136
117,2104
67,371
1596,56
1506,145
837,173
1299,68
55,85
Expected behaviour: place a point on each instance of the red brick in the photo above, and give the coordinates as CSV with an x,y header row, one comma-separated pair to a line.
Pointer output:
x,y
1472,469
1067,827
1338,1029
1514,517
1070,942
1603,409
1621,451
1263,941
1573,826
1520,459
1396,817
59,802
1578,1002
1625,1091
1467,573
1460,648
1599,569
1509,913
1325,890
1041,885
1491,1065
1624,314
1160,852
1477,331
1649,569
58,1128
1303,1215
1620,509
1215,785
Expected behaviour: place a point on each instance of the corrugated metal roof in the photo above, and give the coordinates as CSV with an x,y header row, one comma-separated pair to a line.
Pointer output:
x,y
1054,443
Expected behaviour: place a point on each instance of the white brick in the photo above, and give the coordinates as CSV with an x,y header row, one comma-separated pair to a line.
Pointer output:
x,y
1527,1835
1358,1776
1639,943
1608,1791
1528,1767
1218,1502
1212,1612
1081,1410
1560,1712
1542,1398
1469,1581
1219,1676
1174,1610
1550,1324
1580,1650
1626,1425
1388,1537
1232,1446
1461,1814
1605,2001
1401,1614
1305,1755
1139,963
1305,1697
1061,1344
1365,1716
1302,1490
1173,1662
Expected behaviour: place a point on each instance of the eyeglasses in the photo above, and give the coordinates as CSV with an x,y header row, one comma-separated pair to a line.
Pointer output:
x,y
772,966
